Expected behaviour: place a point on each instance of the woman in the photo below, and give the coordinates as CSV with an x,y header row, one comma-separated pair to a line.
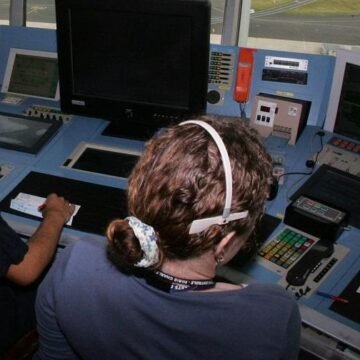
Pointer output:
x,y
194,199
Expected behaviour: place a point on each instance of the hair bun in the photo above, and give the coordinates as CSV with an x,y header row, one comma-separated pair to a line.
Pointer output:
x,y
123,247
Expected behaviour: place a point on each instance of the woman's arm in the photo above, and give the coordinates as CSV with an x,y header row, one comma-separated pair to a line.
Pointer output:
x,y
42,245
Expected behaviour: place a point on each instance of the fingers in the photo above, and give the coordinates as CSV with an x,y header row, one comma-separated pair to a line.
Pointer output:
x,y
56,200
58,204
68,210
71,208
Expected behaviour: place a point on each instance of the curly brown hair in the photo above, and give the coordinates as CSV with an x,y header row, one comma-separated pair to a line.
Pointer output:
x,y
180,178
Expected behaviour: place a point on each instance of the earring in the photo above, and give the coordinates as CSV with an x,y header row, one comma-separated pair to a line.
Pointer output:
x,y
219,259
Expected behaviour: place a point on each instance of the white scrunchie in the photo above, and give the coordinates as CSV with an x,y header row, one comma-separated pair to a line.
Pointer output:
x,y
147,239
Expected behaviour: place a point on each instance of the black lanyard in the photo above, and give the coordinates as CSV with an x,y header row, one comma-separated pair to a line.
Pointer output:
x,y
169,283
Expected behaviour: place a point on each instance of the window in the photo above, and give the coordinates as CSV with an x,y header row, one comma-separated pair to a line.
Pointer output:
x,y
217,19
40,13
304,25
4,12
292,25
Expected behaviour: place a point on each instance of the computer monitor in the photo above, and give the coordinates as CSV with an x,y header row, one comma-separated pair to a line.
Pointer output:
x,y
343,114
32,73
140,64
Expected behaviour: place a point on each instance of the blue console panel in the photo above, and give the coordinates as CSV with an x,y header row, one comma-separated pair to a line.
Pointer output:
x,y
317,88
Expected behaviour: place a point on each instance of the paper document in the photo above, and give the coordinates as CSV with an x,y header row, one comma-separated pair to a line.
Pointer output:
x,y
29,204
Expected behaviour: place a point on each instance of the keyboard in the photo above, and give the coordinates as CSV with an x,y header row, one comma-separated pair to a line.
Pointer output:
x,y
286,248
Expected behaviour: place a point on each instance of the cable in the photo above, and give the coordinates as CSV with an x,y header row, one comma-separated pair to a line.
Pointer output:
x,y
312,162
309,163
242,110
319,133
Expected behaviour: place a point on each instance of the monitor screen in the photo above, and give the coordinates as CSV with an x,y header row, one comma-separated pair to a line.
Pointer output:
x,y
26,134
32,73
141,63
343,115
103,159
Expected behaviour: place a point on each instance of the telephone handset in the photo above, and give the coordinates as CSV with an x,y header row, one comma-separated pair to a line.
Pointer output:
x,y
243,75
298,274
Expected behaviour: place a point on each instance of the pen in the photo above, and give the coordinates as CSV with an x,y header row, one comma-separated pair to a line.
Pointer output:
x,y
333,297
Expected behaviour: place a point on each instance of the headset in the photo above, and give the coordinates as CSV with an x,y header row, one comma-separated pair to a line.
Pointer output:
x,y
200,225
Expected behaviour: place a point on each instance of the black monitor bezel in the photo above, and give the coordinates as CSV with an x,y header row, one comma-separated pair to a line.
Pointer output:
x,y
344,60
199,11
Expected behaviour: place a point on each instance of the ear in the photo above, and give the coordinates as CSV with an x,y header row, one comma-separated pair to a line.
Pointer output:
x,y
226,243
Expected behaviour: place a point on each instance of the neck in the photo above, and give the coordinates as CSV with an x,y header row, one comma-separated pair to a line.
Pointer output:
x,y
200,268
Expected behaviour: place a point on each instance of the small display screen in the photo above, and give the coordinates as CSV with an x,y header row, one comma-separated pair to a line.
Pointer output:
x,y
32,73
106,162
34,76
24,133
265,108
286,62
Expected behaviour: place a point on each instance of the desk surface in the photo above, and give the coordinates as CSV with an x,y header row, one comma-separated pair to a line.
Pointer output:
x,y
316,311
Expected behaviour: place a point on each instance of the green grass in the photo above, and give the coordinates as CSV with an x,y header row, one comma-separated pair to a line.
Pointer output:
x,y
267,4
318,8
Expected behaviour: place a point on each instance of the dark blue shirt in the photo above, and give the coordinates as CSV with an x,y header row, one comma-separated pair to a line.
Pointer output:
x,y
13,320
86,308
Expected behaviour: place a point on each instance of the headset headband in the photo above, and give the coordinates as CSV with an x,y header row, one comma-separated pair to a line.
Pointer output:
x,y
200,225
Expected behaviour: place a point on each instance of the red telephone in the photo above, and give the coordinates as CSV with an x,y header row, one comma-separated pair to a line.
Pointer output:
x,y
243,76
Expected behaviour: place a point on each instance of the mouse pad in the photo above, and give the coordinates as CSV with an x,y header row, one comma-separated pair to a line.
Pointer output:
x,y
99,204
352,294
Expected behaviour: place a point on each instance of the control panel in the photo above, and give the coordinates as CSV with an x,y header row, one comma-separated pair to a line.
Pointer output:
x,y
286,63
221,73
317,209
313,270
301,259
265,113
279,116
47,112
286,70
316,217
223,65
237,75
341,154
